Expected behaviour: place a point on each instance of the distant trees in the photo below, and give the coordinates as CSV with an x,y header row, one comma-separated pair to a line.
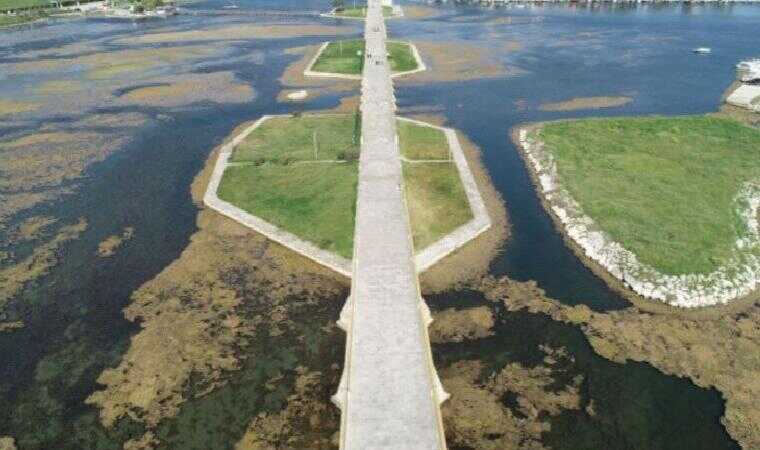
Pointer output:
x,y
339,5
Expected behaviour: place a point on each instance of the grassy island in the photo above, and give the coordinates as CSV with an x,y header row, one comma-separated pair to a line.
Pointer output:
x,y
665,188
360,12
346,57
300,173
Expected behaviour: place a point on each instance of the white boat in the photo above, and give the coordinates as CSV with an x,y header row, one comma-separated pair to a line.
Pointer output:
x,y
230,6
703,50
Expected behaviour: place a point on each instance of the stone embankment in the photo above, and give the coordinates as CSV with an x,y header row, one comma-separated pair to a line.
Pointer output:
x,y
738,278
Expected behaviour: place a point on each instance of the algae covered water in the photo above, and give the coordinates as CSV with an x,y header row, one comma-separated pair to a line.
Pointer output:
x,y
90,82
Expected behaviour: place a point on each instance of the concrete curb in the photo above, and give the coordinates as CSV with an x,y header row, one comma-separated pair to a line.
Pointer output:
x,y
480,222
291,241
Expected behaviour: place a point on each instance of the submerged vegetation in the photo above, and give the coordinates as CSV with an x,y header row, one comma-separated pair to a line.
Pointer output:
x,y
665,188
237,346
525,371
714,348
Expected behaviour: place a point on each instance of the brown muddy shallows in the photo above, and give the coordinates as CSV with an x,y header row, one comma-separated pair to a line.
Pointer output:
x,y
29,230
15,275
57,87
111,244
454,325
421,12
237,32
219,87
107,64
41,166
194,316
713,348
147,441
304,414
10,326
456,61
476,416
7,443
8,107
579,103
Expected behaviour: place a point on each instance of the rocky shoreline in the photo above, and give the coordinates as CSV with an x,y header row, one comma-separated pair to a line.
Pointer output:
x,y
732,281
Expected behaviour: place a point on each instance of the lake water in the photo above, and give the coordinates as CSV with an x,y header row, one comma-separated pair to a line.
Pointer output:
x,y
74,317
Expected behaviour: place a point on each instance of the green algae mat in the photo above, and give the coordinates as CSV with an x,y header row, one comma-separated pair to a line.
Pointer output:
x,y
345,57
665,188
301,174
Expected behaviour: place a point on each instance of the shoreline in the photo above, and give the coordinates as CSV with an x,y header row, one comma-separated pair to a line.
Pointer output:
x,y
612,281
473,259
468,261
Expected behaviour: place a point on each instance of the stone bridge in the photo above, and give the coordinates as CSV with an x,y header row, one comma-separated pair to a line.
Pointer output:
x,y
389,394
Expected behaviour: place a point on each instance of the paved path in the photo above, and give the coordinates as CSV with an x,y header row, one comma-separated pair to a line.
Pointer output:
x,y
390,392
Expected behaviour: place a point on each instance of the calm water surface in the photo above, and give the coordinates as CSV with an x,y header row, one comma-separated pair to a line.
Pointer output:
x,y
77,309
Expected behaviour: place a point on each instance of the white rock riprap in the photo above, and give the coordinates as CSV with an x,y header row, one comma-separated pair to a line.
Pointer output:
x,y
738,278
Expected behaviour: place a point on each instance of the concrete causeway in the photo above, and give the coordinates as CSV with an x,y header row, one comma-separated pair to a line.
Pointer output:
x,y
390,392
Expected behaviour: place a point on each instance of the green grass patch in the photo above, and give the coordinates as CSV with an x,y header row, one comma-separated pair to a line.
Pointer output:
x,y
273,175
362,12
436,200
401,57
313,201
288,139
343,57
665,188
421,142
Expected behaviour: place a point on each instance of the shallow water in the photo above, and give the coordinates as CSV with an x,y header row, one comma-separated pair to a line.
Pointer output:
x,y
635,405
73,316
